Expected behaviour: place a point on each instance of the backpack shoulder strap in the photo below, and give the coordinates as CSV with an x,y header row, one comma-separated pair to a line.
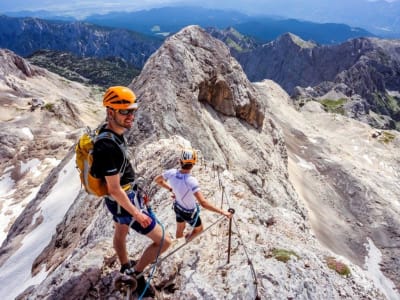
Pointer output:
x,y
111,136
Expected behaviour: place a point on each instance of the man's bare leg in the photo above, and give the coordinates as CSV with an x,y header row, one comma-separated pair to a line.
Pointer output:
x,y
150,254
180,227
119,241
196,231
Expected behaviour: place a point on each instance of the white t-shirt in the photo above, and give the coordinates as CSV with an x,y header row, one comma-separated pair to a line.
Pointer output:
x,y
184,186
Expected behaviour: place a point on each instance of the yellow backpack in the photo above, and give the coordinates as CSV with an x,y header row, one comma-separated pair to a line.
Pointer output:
x,y
84,160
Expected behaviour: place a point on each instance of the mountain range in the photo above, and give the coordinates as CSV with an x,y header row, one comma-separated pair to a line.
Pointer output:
x,y
380,17
362,75
359,77
165,21
82,39
168,20
316,194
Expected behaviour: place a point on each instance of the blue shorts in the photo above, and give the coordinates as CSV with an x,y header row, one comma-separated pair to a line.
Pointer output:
x,y
121,216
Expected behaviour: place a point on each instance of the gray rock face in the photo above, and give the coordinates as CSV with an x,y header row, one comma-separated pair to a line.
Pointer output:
x,y
12,64
193,93
293,62
207,74
364,67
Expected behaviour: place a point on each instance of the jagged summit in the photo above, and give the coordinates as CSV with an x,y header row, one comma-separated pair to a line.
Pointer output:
x,y
189,70
288,39
236,41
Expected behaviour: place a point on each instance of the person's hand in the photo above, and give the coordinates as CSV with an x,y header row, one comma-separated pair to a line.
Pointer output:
x,y
227,214
143,219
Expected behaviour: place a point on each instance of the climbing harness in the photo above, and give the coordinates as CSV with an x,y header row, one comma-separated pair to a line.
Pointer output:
x,y
195,222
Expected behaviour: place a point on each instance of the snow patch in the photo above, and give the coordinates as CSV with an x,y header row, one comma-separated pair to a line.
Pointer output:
x,y
305,164
31,166
15,273
372,265
366,157
11,210
27,132
314,141
6,185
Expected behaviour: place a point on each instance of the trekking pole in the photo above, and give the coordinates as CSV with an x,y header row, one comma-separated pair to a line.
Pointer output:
x,y
232,211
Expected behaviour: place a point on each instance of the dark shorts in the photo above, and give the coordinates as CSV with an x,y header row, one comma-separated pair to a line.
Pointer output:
x,y
121,216
192,217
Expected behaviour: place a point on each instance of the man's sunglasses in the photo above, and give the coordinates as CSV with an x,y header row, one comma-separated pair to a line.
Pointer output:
x,y
125,112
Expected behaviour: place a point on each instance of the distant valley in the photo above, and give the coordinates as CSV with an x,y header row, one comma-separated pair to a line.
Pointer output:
x,y
95,71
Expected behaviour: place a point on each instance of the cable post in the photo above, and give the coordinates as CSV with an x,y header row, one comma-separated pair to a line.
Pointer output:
x,y
232,211
222,195
219,178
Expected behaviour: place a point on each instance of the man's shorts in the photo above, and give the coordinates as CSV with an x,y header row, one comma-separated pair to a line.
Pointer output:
x,y
121,216
192,217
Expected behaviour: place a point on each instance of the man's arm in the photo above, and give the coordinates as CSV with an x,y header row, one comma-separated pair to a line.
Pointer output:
x,y
115,191
161,182
207,205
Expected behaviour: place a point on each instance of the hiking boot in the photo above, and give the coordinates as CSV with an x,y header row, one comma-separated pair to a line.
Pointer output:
x,y
141,286
128,268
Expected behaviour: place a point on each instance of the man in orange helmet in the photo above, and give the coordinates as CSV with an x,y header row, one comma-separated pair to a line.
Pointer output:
x,y
187,193
123,201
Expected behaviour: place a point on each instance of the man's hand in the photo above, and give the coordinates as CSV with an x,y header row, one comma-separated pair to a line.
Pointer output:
x,y
143,219
227,214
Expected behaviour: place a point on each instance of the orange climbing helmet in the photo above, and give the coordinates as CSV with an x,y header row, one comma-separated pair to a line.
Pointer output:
x,y
119,97
188,156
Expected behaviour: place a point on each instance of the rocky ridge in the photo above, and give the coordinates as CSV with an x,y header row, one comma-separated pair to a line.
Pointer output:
x,y
192,92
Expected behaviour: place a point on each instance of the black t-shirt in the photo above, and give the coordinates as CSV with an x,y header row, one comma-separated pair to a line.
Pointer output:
x,y
109,160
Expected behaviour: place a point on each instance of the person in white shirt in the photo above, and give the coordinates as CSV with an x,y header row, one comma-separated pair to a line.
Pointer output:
x,y
187,194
